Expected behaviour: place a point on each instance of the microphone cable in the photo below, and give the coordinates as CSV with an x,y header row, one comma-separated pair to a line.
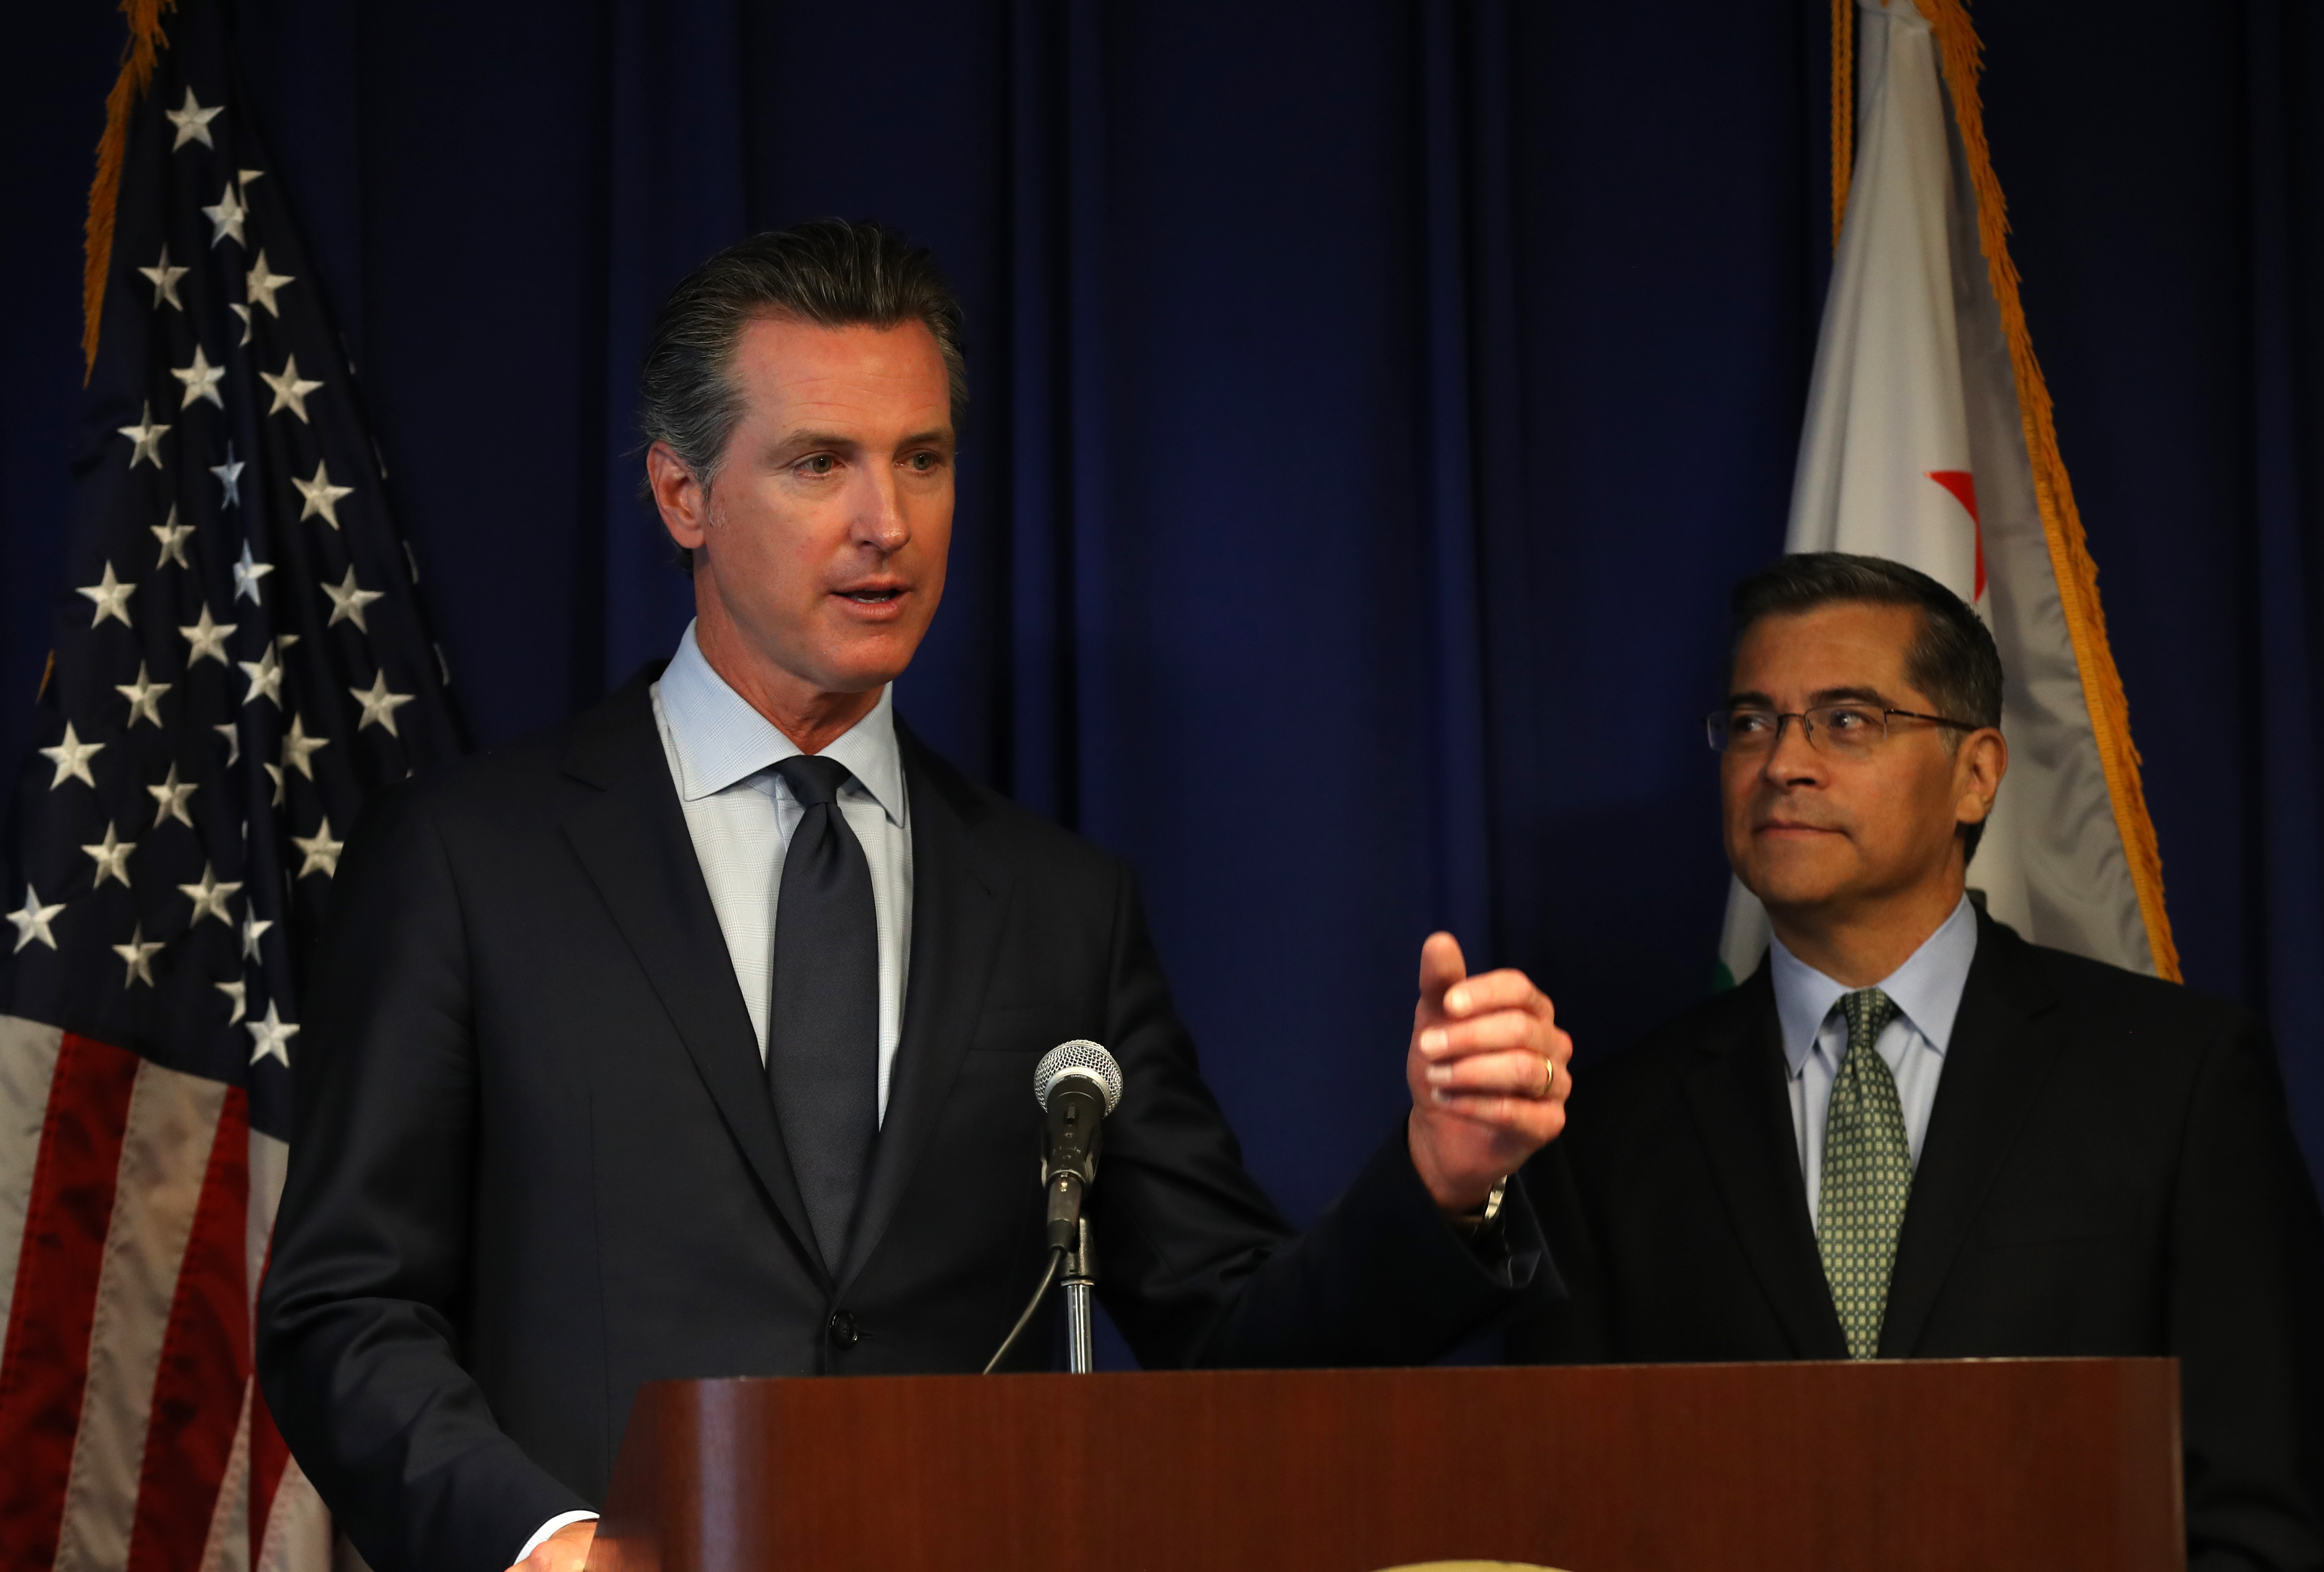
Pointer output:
x,y
1056,1259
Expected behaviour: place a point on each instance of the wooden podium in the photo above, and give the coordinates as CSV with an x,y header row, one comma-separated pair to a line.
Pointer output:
x,y
1969,1467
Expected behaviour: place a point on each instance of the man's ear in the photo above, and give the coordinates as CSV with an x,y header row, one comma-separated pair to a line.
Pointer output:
x,y
1982,761
680,497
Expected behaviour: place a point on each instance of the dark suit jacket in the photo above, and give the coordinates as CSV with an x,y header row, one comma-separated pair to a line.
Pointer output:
x,y
2107,1169
536,1162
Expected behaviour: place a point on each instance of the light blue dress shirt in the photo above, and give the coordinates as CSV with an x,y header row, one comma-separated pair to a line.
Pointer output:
x,y
1927,992
741,815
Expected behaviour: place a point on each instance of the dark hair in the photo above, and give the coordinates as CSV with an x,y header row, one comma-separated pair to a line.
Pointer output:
x,y
830,271
1954,660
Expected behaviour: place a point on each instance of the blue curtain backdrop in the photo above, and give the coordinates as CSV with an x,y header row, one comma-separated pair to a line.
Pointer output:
x,y
1373,401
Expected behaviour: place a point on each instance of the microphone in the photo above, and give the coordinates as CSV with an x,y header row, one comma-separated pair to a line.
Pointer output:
x,y
1078,1083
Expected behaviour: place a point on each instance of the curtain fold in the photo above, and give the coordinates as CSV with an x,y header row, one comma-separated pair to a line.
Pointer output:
x,y
1372,404
2286,53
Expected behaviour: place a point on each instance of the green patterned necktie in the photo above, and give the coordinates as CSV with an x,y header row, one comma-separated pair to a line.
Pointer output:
x,y
1868,1174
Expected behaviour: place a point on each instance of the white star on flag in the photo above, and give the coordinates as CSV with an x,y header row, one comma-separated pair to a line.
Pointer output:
x,y
298,748
253,927
226,217
209,897
173,536
262,282
271,1037
290,390
147,436
201,379
209,639
112,598
72,756
139,952
112,854
265,675
247,572
171,799
165,281
144,697
379,706
192,121
348,600
322,497
153,559
321,851
229,475
32,920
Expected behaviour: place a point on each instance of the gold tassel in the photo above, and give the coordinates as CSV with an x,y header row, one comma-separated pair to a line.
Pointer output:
x,y
137,59
2062,521
1843,109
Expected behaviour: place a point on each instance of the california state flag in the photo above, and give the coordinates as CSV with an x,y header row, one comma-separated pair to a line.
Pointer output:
x,y
1929,440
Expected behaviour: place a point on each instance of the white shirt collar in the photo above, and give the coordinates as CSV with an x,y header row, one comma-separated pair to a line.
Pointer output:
x,y
1926,989
721,740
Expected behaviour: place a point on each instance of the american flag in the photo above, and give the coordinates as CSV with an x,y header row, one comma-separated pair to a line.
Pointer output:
x,y
240,660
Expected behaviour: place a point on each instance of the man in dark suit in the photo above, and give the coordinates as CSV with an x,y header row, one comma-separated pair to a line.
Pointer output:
x,y
1912,1134
696,1037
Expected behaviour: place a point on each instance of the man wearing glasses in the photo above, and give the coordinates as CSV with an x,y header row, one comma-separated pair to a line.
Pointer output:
x,y
1911,1134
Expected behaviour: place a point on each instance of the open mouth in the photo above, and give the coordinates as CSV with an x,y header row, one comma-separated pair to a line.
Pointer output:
x,y
871,597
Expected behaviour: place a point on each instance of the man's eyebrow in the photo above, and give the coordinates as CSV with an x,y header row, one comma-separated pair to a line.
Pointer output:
x,y
1753,700
1847,696
806,440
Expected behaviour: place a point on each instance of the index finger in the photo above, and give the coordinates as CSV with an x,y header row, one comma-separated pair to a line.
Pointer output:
x,y
1506,989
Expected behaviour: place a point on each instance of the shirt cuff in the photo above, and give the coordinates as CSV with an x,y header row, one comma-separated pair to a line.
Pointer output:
x,y
550,1527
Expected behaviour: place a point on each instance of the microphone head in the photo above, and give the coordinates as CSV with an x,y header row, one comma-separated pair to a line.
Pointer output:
x,y
1082,1059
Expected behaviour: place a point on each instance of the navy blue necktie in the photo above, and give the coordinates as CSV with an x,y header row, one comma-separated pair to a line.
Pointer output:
x,y
822,1032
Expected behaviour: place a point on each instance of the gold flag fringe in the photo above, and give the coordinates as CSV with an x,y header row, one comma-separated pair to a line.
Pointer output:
x,y
1843,110
137,61
2062,521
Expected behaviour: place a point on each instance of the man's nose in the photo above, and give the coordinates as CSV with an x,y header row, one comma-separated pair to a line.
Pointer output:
x,y
1792,758
879,522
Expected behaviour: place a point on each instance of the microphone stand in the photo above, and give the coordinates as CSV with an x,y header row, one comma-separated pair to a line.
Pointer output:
x,y
1080,1278
1077,1083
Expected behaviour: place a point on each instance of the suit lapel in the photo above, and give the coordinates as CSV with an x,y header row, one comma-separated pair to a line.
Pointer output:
x,y
632,838
1737,1093
958,894
1996,1066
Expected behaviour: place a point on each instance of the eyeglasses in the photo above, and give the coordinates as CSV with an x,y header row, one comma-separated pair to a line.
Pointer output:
x,y
1841,730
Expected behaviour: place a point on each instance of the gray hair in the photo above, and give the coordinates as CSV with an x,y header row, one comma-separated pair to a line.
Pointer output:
x,y
830,271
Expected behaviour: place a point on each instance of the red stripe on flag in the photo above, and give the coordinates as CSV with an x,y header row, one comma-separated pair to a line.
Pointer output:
x,y
44,1367
204,1359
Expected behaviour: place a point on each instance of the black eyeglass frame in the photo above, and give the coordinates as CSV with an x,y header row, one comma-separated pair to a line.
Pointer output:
x,y
1715,723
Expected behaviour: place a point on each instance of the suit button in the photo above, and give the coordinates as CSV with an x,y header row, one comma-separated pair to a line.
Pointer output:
x,y
843,1330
